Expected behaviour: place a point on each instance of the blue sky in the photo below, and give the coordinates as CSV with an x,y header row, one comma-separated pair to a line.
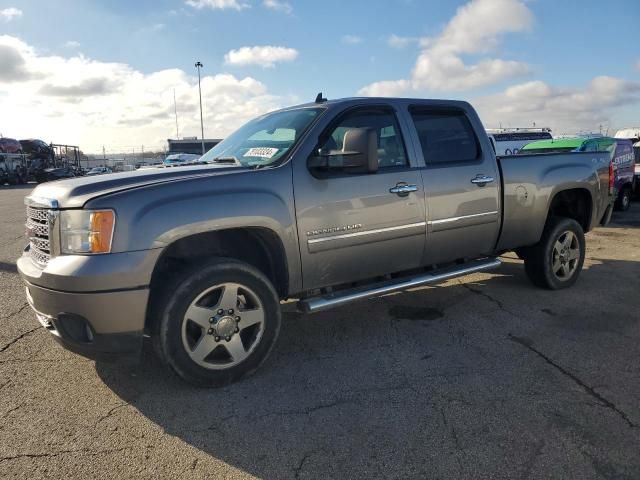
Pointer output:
x,y
503,53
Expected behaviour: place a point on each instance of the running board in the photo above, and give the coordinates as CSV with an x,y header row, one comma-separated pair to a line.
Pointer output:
x,y
336,299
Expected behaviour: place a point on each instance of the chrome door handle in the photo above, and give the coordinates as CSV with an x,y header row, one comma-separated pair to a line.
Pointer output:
x,y
481,180
403,189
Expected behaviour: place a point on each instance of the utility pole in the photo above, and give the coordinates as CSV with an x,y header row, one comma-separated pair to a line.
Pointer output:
x,y
199,66
175,111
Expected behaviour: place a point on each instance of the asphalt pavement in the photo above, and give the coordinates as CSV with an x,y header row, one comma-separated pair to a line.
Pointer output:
x,y
484,376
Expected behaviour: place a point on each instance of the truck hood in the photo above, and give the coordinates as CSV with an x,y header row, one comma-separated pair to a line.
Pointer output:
x,y
75,192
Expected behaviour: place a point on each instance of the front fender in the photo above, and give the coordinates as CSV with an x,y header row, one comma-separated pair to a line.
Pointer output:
x,y
154,217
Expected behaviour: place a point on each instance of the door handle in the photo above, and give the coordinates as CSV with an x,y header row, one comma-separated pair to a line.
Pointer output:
x,y
481,180
403,189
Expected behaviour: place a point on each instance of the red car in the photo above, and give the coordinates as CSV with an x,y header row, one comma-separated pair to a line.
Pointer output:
x,y
10,145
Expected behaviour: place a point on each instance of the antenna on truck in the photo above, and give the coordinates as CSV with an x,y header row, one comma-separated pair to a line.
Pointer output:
x,y
320,98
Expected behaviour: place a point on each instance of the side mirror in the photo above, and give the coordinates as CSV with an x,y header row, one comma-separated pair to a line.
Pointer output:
x,y
359,153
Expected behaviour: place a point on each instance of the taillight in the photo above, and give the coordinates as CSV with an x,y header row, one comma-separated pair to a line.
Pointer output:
x,y
611,178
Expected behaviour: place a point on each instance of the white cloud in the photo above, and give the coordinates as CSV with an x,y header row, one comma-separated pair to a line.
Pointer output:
x,y
10,13
565,110
474,30
71,44
217,4
386,88
396,41
351,39
278,6
81,101
265,56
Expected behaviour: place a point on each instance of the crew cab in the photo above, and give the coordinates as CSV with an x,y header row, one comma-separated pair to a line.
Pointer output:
x,y
327,203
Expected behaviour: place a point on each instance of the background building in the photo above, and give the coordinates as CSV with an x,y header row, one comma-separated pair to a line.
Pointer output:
x,y
191,145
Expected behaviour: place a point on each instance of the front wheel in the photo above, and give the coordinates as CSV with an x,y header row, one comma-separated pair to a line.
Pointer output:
x,y
219,324
556,261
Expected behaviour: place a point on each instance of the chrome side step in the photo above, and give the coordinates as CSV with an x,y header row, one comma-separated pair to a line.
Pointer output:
x,y
336,299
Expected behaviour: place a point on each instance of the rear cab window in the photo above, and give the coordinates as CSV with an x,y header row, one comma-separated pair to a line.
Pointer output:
x,y
446,135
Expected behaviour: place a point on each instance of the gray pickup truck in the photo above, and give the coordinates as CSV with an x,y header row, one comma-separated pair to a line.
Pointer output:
x,y
326,203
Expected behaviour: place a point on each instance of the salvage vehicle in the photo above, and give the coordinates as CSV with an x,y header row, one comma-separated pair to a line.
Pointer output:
x,y
328,203
37,149
13,168
50,174
622,160
10,145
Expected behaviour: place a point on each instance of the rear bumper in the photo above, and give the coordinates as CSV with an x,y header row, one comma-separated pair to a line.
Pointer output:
x,y
98,325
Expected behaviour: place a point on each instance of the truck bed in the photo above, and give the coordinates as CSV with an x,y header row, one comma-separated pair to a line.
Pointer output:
x,y
530,182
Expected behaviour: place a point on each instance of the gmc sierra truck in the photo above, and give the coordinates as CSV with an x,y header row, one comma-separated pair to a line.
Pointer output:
x,y
327,203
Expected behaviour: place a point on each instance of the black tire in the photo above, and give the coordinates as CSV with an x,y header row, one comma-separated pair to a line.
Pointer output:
x,y
184,290
623,202
539,262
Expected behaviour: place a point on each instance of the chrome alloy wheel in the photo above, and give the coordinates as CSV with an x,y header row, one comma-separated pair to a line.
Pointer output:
x,y
565,256
222,326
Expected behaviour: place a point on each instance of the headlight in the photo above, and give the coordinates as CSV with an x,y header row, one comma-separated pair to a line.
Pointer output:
x,y
86,231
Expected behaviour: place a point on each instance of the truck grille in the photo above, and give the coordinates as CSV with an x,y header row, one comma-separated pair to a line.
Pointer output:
x,y
38,234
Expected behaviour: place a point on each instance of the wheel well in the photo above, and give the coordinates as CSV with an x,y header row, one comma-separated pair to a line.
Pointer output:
x,y
627,186
259,247
575,203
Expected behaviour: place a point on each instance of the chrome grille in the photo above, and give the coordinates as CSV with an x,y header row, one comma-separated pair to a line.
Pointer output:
x,y
38,234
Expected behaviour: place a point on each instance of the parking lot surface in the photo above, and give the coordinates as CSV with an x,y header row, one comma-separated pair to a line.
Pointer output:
x,y
479,377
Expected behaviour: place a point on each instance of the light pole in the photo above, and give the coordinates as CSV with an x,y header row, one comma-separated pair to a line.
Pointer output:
x,y
199,66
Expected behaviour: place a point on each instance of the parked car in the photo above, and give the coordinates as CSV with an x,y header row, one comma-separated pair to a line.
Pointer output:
x,y
98,171
622,160
50,174
177,159
10,145
327,203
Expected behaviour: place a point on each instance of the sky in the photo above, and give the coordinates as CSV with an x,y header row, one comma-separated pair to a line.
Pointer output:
x,y
103,72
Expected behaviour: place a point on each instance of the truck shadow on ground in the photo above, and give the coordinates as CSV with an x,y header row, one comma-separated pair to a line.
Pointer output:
x,y
394,382
630,218
26,186
8,267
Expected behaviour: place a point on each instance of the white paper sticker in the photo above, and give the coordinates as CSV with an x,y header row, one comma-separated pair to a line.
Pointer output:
x,y
263,152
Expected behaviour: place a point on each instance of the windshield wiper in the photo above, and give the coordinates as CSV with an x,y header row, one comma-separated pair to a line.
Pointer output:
x,y
232,160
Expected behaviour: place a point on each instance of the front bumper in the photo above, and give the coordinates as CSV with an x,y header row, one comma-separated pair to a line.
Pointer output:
x,y
102,324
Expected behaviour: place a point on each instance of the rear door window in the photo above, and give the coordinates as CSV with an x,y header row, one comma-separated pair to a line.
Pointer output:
x,y
445,135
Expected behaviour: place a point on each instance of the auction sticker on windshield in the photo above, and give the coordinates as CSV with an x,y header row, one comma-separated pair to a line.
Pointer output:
x,y
263,152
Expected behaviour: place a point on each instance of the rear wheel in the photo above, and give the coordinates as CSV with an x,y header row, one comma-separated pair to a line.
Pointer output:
x,y
219,324
556,261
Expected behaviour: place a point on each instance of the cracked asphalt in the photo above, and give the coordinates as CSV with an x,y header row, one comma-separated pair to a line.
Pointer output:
x,y
480,377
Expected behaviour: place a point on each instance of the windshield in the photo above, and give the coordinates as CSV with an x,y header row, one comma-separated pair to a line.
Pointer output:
x,y
264,140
